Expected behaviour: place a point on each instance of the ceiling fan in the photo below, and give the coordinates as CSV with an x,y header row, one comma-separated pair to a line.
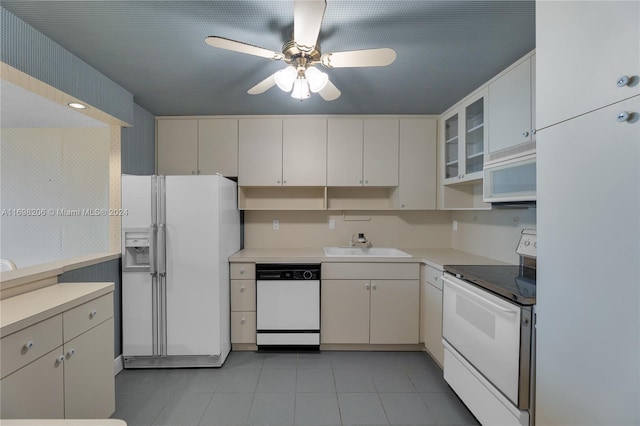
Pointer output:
x,y
301,77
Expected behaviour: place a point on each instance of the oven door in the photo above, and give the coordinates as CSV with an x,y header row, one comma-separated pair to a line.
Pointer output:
x,y
485,330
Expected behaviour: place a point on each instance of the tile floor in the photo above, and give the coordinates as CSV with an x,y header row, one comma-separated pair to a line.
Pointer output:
x,y
279,389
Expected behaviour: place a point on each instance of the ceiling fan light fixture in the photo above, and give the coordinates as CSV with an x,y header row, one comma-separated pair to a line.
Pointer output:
x,y
285,78
300,89
317,79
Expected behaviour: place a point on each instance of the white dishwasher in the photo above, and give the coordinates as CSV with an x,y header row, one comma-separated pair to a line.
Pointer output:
x,y
288,306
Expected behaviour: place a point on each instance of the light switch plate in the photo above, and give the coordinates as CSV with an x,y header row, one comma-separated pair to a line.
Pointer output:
x,y
332,224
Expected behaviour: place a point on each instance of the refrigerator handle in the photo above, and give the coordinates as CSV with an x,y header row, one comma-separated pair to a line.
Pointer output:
x,y
153,229
162,249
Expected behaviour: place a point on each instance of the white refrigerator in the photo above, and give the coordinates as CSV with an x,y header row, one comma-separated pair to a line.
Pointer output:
x,y
177,235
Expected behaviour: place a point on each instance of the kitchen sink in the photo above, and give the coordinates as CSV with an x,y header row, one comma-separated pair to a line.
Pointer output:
x,y
364,252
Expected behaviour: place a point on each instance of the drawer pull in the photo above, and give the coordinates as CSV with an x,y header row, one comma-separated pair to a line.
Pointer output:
x,y
28,345
242,321
242,270
70,353
60,359
93,314
242,289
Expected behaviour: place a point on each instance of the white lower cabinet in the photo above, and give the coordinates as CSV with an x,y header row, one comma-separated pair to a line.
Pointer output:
x,y
431,312
73,378
243,303
384,310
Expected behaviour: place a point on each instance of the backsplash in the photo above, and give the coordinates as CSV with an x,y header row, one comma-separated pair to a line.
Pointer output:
x,y
492,233
311,228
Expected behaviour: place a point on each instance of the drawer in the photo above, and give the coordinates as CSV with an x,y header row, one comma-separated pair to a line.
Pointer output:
x,y
433,276
243,271
243,327
86,316
27,345
243,295
370,271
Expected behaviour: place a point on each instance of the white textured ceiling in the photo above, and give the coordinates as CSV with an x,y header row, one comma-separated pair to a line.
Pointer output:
x,y
20,108
156,50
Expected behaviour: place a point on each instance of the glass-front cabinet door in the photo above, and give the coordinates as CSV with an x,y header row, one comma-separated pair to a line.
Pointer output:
x,y
465,134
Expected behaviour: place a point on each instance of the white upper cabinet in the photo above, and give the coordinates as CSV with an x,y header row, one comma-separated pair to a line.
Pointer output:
x,y
177,142
589,48
464,135
282,152
197,146
511,110
381,150
304,152
260,152
362,152
417,165
218,146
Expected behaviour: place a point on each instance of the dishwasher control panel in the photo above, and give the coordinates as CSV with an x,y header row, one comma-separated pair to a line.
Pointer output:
x,y
279,271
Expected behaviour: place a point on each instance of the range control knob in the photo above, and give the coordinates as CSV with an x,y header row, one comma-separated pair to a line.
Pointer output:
x,y
307,275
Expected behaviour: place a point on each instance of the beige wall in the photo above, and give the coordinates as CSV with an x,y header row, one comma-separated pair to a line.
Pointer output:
x,y
492,233
384,229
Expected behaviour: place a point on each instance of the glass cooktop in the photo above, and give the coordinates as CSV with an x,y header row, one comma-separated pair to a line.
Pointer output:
x,y
513,282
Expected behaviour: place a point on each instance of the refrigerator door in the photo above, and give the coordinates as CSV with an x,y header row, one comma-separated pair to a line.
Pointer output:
x,y
137,310
197,290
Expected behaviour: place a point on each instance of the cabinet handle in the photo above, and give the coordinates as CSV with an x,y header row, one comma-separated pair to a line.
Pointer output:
x,y
28,345
93,314
284,182
70,353
278,181
435,278
525,133
241,270
367,286
60,359
360,181
366,181
374,287
402,206
242,321
623,81
533,131
242,289
623,116
193,172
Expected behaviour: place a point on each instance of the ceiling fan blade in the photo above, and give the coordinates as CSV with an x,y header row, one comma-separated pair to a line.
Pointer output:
x,y
263,86
236,46
307,18
359,58
330,92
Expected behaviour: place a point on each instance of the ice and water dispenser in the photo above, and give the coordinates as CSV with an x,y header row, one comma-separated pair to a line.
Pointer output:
x,y
136,249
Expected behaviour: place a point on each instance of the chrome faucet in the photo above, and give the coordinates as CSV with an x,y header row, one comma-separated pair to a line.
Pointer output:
x,y
359,240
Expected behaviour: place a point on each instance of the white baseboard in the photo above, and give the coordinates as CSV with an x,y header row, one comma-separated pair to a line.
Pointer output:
x,y
118,365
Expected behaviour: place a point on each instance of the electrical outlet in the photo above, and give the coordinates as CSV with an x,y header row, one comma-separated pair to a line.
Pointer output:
x,y
276,224
332,224
455,225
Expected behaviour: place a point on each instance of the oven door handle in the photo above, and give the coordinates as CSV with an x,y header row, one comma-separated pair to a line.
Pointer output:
x,y
481,299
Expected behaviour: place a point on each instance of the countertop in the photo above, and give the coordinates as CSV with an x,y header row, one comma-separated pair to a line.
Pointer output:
x,y
63,422
436,257
26,309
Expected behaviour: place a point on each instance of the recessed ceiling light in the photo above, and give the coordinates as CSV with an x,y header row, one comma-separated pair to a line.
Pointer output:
x,y
76,105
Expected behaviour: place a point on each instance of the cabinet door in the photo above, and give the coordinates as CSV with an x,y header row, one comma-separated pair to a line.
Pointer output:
x,y
344,152
380,159
177,142
583,48
510,109
417,170
243,327
304,152
433,322
344,311
218,146
395,311
89,386
260,152
451,150
475,136
36,390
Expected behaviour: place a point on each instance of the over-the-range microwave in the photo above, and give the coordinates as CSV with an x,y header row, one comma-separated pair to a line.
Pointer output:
x,y
511,181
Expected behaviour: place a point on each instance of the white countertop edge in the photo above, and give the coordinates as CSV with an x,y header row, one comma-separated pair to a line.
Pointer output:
x,y
20,276
435,257
29,308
